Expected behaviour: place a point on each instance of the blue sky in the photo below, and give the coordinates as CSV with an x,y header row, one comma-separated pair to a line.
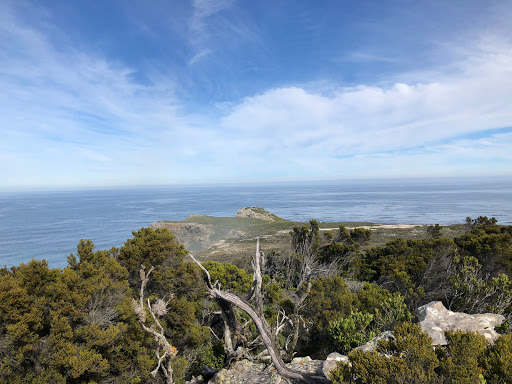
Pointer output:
x,y
118,93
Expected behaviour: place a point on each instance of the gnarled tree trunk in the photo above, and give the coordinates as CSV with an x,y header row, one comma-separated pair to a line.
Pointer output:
x,y
261,324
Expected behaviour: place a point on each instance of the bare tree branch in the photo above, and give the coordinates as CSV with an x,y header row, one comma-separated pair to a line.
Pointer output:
x,y
257,265
263,330
163,344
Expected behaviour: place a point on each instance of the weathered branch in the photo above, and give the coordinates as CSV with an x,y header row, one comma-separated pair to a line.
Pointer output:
x,y
163,344
263,330
257,280
228,341
296,317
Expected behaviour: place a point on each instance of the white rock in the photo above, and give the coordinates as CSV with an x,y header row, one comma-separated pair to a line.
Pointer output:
x,y
435,319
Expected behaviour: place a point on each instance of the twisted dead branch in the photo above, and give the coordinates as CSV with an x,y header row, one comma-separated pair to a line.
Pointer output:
x,y
256,314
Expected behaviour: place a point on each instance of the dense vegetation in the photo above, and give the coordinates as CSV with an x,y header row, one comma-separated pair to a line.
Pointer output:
x,y
84,323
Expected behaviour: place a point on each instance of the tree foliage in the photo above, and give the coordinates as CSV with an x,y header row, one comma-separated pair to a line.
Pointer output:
x,y
69,325
78,324
352,331
434,231
409,358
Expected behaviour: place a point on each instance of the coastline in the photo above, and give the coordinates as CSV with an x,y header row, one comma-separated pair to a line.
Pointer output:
x,y
231,239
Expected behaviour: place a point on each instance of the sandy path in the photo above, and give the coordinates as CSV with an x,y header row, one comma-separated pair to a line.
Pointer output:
x,y
378,226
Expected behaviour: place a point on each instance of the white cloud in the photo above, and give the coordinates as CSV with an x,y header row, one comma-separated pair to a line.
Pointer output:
x,y
216,29
200,22
366,119
366,57
200,55
206,8
77,118
67,115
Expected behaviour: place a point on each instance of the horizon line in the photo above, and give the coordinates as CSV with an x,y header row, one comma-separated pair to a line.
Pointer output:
x,y
227,183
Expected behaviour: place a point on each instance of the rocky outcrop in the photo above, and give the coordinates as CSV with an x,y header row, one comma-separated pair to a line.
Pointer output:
x,y
199,233
435,319
332,361
195,237
373,343
248,372
258,213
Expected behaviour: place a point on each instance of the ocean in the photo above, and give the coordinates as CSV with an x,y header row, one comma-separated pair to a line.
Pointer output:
x,y
49,224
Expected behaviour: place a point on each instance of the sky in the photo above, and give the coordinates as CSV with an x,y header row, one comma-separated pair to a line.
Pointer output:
x,y
127,93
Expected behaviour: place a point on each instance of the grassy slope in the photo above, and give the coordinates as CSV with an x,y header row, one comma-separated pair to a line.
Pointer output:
x,y
232,239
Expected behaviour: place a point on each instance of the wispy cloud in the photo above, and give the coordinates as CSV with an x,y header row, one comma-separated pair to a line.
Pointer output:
x,y
217,28
199,56
61,107
203,9
463,157
73,117
202,28
366,57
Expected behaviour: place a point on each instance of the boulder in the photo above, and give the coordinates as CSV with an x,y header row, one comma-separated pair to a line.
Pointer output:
x,y
435,319
332,361
245,371
306,365
373,343
196,380
248,372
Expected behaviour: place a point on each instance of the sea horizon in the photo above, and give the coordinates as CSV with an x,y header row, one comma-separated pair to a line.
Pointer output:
x,y
271,182
48,224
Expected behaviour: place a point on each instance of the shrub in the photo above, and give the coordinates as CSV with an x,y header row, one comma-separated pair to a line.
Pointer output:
x,y
497,361
352,331
409,359
459,360
361,235
392,311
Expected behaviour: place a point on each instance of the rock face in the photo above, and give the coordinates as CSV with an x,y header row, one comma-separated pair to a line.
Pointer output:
x,y
195,237
435,319
259,373
258,213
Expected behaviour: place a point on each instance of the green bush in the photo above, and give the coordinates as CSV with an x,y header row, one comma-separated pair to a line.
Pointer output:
x,y
392,311
497,361
229,276
361,235
179,367
409,358
365,367
459,360
211,355
352,331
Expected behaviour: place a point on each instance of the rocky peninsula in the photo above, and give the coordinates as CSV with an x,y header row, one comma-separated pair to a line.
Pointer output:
x,y
232,238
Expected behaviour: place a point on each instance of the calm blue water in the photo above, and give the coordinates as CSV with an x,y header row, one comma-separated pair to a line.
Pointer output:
x,y
49,224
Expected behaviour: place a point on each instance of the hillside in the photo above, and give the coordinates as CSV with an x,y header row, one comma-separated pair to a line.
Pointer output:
x,y
232,238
